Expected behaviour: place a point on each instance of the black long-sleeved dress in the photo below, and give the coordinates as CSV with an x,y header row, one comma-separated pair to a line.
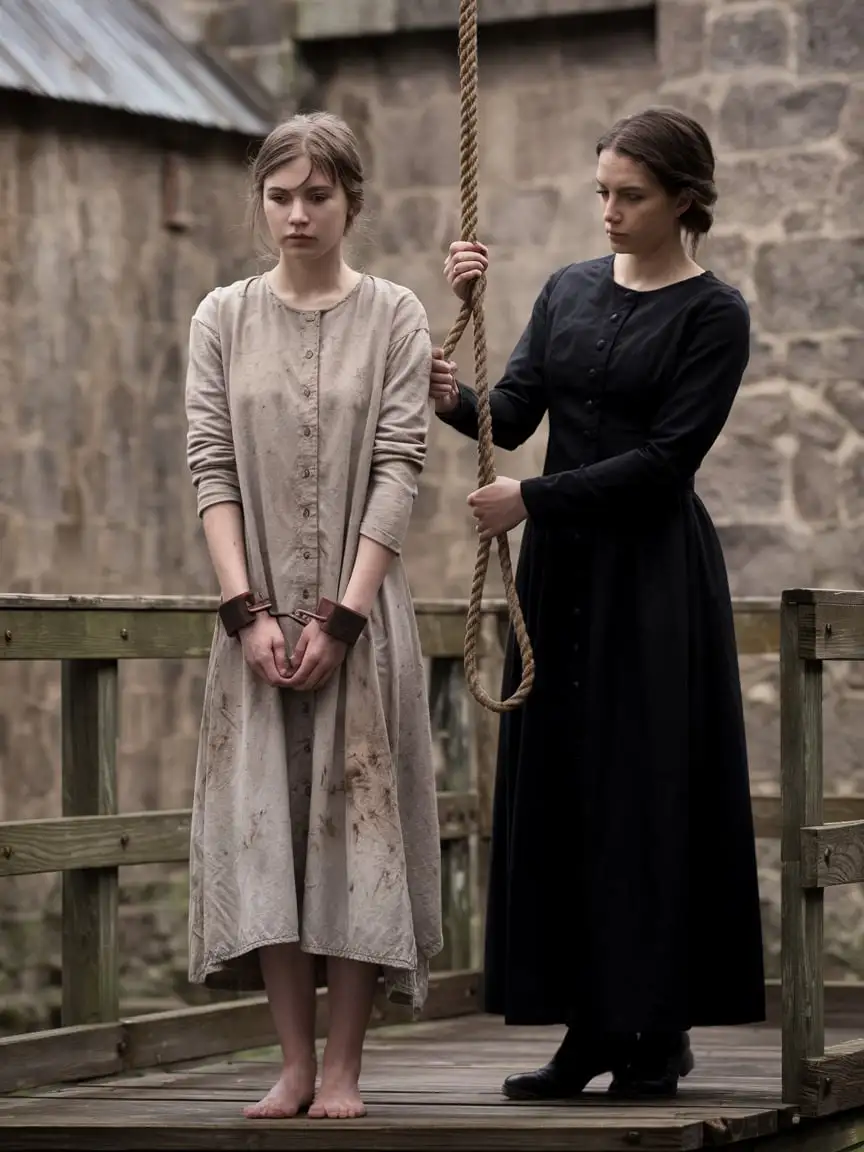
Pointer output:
x,y
623,889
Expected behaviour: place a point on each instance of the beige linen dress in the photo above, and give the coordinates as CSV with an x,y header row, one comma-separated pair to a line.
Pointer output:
x,y
314,813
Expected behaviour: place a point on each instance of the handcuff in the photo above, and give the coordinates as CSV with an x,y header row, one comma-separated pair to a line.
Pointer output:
x,y
334,619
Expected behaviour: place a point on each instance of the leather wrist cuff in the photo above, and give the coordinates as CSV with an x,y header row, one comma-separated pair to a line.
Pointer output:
x,y
240,611
340,622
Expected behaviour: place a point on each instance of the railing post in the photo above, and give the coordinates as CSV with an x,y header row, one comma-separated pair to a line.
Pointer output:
x,y
801,787
89,774
493,635
451,725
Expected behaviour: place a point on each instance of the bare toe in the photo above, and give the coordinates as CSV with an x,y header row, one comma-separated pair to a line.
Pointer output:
x,y
292,1093
337,1104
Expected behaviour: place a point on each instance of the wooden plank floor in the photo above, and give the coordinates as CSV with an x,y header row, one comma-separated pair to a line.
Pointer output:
x,y
433,1086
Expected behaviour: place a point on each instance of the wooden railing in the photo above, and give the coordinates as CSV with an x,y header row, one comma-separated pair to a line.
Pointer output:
x,y
91,841
822,845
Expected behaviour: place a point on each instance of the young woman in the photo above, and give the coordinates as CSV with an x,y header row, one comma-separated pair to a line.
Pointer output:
x,y
623,895
314,828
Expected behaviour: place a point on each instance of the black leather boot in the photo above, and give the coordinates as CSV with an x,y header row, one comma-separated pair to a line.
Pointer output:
x,y
578,1060
661,1058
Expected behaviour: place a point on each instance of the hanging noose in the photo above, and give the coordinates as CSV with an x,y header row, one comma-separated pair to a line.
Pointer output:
x,y
472,309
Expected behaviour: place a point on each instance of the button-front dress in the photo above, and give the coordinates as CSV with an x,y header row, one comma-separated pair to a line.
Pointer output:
x,y
314,813
623,884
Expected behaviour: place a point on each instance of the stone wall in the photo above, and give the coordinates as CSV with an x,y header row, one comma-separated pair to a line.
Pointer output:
x,y
780,88
102,266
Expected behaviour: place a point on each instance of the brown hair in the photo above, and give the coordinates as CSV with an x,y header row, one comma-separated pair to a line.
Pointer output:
x,y
676,150
327,141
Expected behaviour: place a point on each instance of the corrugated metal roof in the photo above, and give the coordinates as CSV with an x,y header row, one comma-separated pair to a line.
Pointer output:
x,y
117,54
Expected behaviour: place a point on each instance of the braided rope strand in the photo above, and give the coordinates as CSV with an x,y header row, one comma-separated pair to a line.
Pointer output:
x,y
472,309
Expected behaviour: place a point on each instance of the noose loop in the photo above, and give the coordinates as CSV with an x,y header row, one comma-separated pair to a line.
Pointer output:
x,y
472,309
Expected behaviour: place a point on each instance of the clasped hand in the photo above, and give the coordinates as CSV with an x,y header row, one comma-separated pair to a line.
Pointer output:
x,y
315,658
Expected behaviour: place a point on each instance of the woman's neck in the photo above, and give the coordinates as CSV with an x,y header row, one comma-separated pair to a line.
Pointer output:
x,y
312,282
645,271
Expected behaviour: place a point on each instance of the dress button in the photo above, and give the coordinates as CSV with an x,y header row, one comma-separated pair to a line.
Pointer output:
x,y
306,473
576,685
306,392
589,404
592,371
309,353
307,555
305,593
614,316
307,747
306,432
305,513
601,344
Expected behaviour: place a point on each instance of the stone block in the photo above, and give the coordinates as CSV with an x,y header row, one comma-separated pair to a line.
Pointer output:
x,y
847,210
779,114
522,215
264,23
680,38
274,67
803,220
740,478
414,75
420,149
753,38
852,480
765,186
831,35
852,122
811,284
814,421
833,358
728,256
847,399
816,484
767,359
412,224
763,558
695,98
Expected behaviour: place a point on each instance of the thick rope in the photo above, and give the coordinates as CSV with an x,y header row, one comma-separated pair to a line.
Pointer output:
x,y
472,309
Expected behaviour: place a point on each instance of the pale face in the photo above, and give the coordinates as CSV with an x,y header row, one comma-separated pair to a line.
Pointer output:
x,y
307,213
639,216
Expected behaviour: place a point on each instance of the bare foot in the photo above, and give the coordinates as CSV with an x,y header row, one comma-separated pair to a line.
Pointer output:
x,y
338,1098
292,1093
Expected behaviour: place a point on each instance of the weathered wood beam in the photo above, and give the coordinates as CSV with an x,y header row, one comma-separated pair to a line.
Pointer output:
x,y
152,627
59,1055
833,1082
833,631
89,789
31,846
832,854
801,785
836,809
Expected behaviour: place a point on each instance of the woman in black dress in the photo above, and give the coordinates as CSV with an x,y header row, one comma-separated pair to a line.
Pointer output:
x,y
623,894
